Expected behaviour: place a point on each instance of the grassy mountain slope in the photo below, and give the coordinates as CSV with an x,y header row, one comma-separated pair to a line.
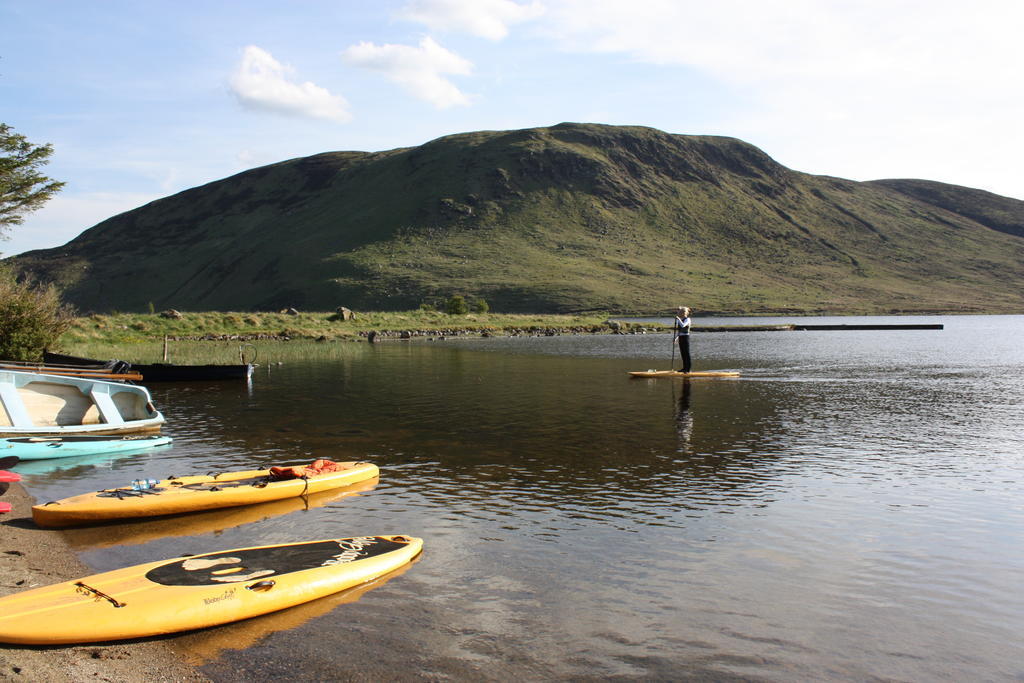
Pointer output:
x,y
569,218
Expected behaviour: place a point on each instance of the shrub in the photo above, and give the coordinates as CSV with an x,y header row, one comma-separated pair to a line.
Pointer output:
x,y
32,318
457,305
480,306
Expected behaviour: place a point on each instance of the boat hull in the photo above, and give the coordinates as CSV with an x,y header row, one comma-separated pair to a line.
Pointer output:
x,y
163,372
46,448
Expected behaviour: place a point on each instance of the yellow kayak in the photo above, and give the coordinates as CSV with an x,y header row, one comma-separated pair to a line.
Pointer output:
x,y
178,495
677,373
197,591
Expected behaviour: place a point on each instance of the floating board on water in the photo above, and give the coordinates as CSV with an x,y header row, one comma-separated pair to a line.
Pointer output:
x,y
45,447
198,591
677,373
176,495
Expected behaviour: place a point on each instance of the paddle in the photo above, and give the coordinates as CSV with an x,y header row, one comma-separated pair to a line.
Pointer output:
x,y
8,462
675,335
672,360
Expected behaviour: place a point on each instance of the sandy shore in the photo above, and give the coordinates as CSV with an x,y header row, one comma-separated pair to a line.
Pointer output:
x,y
31,557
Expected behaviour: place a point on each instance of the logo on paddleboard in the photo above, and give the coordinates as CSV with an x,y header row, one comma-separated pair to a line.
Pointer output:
x,y
226,595
351,550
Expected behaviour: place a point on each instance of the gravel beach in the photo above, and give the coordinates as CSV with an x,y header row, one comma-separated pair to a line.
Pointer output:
x,y
32,557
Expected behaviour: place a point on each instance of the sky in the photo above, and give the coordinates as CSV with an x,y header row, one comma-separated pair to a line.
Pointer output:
x,y
141,100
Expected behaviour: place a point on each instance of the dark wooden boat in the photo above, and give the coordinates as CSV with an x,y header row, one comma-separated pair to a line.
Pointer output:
x,y
159,372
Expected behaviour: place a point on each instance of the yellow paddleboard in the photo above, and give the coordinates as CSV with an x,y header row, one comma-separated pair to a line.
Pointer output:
x,y
675,373
190,494
197,591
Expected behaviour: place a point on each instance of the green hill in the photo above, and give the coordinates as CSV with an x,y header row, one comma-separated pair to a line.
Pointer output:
x,y
575,217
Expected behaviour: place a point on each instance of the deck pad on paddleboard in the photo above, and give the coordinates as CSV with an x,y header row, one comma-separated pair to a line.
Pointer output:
x,y
198,591
244,565
676,373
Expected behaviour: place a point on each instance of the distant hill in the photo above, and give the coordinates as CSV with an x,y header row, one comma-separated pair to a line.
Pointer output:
x,y
575,217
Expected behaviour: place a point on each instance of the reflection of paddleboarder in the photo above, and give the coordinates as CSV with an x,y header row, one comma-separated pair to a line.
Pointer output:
x,y
682,332
684,419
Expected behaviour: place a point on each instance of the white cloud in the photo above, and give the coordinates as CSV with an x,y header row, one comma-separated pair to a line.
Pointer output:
x,y
418,70
484,18
872,88
261,82
748,41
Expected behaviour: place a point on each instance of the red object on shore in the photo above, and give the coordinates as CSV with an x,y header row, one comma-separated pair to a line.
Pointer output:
x,y
5,507
6,476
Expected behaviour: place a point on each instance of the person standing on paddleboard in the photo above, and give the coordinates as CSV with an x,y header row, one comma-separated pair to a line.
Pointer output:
x,y
682,330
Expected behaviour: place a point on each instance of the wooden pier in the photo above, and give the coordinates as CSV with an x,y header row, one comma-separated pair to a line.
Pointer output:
x,y
814,327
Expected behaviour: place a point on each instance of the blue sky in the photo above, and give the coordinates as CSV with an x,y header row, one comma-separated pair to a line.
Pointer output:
x,y
142,99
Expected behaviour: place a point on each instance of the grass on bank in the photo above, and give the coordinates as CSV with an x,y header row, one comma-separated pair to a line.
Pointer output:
x,y
213,337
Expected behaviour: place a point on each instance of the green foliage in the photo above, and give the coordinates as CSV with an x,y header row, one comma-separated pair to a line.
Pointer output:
x,y
22,188
137,329
480,306
456,305
32,318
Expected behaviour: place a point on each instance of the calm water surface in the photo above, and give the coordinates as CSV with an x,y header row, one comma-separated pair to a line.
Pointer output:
x,y
850,509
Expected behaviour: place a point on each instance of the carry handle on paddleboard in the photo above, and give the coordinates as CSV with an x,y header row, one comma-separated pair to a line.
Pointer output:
x,y
262,586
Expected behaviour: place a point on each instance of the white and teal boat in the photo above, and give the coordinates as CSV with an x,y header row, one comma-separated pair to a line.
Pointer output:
x,y
34,404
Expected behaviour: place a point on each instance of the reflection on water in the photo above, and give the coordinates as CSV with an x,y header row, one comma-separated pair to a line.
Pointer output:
x,y
834,510
132,532
205,645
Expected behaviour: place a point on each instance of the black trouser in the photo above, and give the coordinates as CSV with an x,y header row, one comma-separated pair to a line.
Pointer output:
x,y
684,351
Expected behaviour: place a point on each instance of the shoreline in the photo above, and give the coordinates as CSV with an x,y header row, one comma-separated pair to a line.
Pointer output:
x,y
133,329
31,557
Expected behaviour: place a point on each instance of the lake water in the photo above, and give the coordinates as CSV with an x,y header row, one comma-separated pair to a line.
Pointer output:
x,y
851,508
